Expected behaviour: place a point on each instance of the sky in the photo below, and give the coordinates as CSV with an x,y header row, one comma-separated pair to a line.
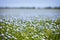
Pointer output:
x,y
29,3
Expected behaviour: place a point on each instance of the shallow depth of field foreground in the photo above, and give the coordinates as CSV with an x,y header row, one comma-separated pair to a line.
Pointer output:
x,y
33,29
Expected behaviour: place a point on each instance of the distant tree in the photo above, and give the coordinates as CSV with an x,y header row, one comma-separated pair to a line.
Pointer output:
x,y
56,7
48,7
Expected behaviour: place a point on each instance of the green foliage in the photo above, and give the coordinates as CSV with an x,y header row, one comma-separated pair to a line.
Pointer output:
x,y
17,29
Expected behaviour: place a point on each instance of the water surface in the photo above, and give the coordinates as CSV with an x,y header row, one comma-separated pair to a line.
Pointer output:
x,y
26,13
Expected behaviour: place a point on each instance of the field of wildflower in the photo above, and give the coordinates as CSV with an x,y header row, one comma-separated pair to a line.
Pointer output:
x,y
33,29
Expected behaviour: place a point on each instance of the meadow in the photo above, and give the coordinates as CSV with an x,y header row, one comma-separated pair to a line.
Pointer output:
x,y
33,29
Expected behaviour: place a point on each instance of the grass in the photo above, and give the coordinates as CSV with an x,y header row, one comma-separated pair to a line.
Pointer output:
x,y
17,29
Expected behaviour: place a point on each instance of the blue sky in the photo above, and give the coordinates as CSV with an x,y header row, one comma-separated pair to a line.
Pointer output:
x,y
29,3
